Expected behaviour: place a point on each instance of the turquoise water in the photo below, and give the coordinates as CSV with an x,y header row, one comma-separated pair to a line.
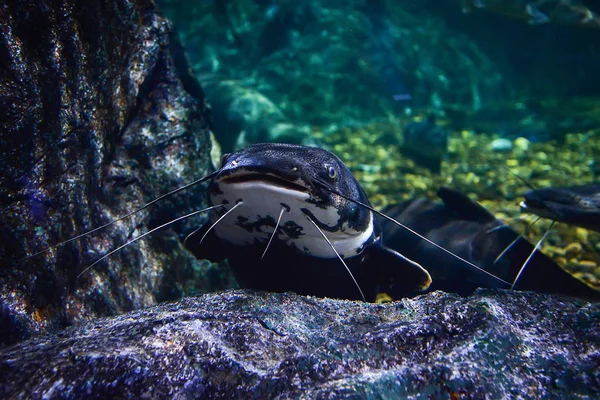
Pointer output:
x,y
339,62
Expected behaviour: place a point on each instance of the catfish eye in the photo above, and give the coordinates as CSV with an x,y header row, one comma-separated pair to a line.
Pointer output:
x,y
224,158
331,171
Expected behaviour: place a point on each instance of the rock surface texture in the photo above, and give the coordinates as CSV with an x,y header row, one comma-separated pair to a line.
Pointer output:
x,y
99,114
240,344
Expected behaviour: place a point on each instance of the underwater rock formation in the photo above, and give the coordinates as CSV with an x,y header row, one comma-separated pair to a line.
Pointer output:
x,y
100,114
240,344
242,116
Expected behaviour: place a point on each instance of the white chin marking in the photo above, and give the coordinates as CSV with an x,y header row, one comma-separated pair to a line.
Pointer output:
x,y
263,199
540,212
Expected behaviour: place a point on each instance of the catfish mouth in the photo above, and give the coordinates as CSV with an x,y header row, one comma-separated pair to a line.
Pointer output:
x,y
533,204
538,208
269,179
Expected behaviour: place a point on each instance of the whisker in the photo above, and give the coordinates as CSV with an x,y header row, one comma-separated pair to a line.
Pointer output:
x,y
415,233
209,176
496,228
508,248
525,182
273,234
219,220
537,246
529,185
338,255
513,243
145,234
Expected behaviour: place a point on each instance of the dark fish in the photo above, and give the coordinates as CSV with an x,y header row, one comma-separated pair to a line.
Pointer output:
x,y
283,213
294,224
426,143
523,9
569,12
574,205
464,227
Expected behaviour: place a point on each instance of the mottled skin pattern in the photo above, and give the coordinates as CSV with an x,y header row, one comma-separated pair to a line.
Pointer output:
x,y
286,162
574,205
298,179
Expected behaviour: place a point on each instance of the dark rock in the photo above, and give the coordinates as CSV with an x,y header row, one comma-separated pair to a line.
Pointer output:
x,y
100,113
238,344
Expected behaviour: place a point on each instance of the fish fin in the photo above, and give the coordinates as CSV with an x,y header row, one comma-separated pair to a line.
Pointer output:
x,y
537,17
463,206
406,275
209,249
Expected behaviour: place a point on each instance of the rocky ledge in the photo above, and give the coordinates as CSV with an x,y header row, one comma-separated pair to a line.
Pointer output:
x,y
242,344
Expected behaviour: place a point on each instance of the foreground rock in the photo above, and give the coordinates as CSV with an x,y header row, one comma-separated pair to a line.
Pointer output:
x,y
238,344
99,114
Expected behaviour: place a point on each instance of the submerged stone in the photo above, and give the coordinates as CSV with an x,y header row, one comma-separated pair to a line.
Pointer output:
x,y
100,114
501,145
241,344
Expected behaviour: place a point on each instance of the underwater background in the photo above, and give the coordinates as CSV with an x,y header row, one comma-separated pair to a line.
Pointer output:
x,y
108,107
490,98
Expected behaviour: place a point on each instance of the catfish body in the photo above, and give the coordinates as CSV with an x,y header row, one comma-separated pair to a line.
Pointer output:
x,y
270,239
574,205
464,227
426,143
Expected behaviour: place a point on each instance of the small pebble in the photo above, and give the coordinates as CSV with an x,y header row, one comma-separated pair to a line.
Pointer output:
x,y
383,298
586,266
521,144
556,251
501,145
581,234
573,249
368,168
541,156
472,179
466,134
356,140
586,277
573,261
